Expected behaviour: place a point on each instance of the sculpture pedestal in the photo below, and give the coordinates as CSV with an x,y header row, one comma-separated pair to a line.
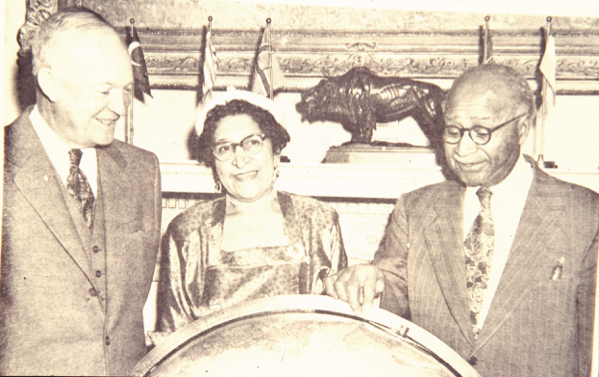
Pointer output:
x,y
381,154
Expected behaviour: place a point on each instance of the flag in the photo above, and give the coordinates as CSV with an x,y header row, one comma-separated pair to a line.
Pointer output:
x,y
488,46
210,66
140,72
267,74
547,68
548,90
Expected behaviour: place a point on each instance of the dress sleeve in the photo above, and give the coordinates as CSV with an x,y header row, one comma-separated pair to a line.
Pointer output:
x,y
392,258
337,250
327,251
181,282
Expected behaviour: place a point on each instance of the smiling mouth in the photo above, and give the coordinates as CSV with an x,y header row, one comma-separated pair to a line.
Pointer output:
x,y
472,166
107,122
246,175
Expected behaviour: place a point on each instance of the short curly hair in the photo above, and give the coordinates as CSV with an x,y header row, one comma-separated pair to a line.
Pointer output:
x,y
264,119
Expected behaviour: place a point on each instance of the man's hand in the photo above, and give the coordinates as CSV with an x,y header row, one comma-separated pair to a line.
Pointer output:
x,y
357,285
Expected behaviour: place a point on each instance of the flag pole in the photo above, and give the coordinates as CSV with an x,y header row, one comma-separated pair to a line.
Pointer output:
x,y
209,92
487,46
129,126
543,112
270,72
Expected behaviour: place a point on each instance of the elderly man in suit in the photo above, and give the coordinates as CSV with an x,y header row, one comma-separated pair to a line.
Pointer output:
x,y
81,216
501,263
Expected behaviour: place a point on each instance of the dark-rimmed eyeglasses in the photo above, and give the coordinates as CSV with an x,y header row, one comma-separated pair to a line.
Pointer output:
x,y
480,135
251,145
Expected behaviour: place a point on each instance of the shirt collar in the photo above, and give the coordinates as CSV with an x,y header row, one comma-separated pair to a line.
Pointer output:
x,y
517,181
58,151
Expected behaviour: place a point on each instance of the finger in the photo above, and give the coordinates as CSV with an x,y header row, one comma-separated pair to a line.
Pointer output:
x,y
340,288
354,293
380,285
330,286
369,293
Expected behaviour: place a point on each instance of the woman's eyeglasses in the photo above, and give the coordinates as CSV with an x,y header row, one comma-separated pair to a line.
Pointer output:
x,y
251,145
480,135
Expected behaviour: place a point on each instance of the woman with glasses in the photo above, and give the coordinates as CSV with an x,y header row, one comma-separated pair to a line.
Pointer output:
x,y
254,241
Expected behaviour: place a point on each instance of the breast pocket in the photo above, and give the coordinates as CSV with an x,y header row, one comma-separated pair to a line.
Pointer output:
x,y
557,283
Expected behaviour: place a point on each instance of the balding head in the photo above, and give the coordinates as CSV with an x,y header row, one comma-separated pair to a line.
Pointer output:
x,y
503,81
488,113
75,19
84,77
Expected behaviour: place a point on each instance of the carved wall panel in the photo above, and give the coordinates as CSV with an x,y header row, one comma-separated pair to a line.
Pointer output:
x,y
231,14
422,45
305,57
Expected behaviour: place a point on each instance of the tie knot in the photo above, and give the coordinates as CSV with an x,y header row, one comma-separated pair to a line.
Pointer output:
x,y
484,194
75,157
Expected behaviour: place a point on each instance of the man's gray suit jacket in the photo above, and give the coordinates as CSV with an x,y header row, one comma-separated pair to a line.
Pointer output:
x,y
58,315
536,326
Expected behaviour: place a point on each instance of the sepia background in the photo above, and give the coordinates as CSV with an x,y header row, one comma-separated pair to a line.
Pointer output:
x,y
433,41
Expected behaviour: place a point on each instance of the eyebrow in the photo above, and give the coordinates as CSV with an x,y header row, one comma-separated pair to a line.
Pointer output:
x,y
474,119
111,84
223,140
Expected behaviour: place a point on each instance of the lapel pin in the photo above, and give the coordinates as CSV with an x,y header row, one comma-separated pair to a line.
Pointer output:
x,y
556,274
45,178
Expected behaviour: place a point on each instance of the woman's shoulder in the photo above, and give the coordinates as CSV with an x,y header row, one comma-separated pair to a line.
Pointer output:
x,y
308,205
194,217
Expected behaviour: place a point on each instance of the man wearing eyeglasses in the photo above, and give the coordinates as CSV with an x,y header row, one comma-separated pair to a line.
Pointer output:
x,y
81,214
501,263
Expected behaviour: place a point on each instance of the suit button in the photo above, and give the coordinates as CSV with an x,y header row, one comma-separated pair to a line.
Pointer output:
x,y
107,340
96,249
93,292
98,273
473,360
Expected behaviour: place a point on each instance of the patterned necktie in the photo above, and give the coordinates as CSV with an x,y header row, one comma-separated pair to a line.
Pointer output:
x,y
479,246
78,187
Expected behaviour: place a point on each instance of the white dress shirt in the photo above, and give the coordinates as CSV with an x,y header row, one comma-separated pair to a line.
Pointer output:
x,y
507,204
58,152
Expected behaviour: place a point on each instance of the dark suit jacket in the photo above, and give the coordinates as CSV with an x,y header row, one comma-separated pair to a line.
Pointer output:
x,y
52,320
535,326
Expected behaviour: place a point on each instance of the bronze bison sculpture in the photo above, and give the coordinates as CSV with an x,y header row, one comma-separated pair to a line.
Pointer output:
x,y
359,100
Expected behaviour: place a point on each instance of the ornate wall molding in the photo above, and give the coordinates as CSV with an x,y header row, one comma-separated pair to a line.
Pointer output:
x,y
174,55
37,12
175,58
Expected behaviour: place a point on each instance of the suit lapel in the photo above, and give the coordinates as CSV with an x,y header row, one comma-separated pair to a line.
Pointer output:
x,y
443,233
117,214
539,228
113,181
38,182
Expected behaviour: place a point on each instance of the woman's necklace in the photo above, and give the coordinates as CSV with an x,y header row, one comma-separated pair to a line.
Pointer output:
x,y
256,203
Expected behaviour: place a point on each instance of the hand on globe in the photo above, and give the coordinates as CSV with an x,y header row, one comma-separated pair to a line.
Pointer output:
x,y
357,285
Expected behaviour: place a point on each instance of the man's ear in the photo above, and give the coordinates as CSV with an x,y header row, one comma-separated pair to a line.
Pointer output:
x,y
524,127
47,83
